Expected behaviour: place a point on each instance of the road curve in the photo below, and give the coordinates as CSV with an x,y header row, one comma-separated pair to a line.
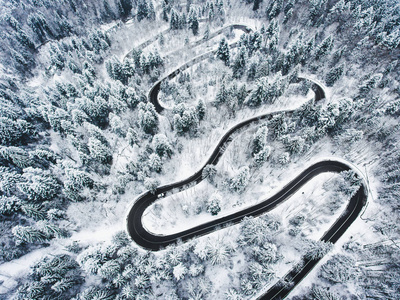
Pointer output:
x,y
156,242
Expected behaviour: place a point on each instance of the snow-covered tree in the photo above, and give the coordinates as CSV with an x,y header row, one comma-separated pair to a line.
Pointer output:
x,y
39,185
193,22
317,249
338,269
239,63
223,52
155,163
334,74
213,204
201,110
161,145
117,125
27,234
295,144
9,205
179,271
99,151
239,183
273,9
15,132
209,173
151,184
259,140
217,253
324,48
148,118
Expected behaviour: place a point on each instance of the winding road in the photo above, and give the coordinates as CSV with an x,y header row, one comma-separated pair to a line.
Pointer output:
x,y
156,242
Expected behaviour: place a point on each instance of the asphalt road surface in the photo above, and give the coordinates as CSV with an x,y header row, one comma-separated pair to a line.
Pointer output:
x,y
156,242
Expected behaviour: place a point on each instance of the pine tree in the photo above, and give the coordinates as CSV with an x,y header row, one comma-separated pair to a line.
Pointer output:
x,y
223,51
209,172
125,7
223,94
273,9
108,12
148,118
317,249
179,271
278,125
99,151
259,94
240,181
15,156
15,132
40,185
323,293
109,270
338,269
155,163
151,184
206,35
241,94
186,121
39,25
165,10
177,21
369,84
324,48
259,140
161,145
142,10
213,204
193,21
334,74
239,63
24,39
284,158
200,110
9,205
132,137
295,144
152,12
9,180
33,211
117,125
27,234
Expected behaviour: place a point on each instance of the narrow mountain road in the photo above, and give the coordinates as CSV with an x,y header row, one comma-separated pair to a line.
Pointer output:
x,y
156,242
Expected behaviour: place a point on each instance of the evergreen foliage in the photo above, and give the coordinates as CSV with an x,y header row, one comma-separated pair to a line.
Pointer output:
x,y
334,75
223,52
213,204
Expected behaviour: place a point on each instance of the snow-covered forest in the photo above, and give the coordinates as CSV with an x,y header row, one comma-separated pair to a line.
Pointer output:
x,y
81,140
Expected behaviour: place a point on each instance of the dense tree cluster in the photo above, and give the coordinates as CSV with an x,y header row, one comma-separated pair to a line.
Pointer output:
x,y
75,126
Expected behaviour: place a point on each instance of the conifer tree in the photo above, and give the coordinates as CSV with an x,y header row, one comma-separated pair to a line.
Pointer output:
x,y
155,163
161,145
193,22
201,110
324,48
223,51
165,10
125,8
148,118
240,181
239,63
334,74
213,204
143,10
259,140
209,172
